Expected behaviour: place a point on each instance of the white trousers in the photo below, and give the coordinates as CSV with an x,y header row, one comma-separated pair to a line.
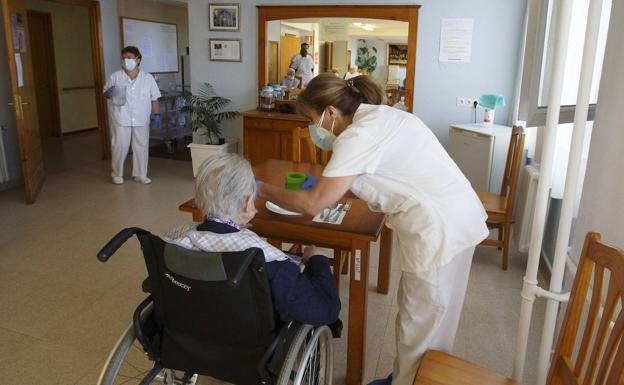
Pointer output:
x,y
430,305
121,136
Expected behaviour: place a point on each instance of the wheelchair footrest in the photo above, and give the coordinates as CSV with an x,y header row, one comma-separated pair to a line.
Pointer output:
x,y
336,328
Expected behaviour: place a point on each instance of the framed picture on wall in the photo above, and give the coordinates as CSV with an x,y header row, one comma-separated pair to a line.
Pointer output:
x,y
397,54
225,50
224,17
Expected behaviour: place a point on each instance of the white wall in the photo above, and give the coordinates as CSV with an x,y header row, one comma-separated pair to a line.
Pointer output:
x,y
110,35
602,203
497,30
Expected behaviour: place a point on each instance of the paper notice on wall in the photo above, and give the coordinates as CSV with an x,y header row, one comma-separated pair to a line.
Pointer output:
x,y
19,69
169,62
456,40
146,47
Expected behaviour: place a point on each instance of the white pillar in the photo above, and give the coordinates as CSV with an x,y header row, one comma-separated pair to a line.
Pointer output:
x,y
571,186
543,187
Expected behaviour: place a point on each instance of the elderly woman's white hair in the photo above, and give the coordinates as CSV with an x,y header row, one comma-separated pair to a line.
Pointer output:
x,y
223,184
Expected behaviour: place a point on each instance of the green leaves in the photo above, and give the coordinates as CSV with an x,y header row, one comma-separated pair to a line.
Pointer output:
x,y
206,109
365,58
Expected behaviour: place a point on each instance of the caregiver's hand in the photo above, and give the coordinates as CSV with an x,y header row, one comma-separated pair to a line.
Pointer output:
x,y
310,182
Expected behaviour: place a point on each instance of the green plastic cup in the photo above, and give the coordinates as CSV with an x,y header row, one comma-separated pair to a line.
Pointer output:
x,y
294,180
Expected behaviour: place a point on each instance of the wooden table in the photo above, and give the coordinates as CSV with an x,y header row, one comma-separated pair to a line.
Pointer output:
x,y
359,228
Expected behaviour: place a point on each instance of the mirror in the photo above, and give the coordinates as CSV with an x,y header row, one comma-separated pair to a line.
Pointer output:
x,y
334,39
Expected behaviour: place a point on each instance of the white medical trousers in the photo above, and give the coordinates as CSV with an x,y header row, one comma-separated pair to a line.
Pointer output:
x,y
430,304
120,144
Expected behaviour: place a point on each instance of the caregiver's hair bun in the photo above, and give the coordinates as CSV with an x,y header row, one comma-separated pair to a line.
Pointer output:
x,y
345,95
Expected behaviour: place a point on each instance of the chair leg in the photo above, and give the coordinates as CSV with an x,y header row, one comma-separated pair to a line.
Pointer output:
x,y
345,265
337,266
500,233
506,236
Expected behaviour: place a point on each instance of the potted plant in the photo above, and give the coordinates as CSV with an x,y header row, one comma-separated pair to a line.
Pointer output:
x,y
366,59
207,114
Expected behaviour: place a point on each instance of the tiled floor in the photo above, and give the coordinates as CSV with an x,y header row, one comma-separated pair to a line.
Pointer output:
x,y
61,310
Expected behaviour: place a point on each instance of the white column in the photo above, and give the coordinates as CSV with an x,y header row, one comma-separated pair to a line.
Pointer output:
x,y
529,288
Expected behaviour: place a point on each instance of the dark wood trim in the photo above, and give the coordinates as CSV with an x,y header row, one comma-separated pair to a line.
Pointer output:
x,y
78,88
123,44
81,131
56,104
407,13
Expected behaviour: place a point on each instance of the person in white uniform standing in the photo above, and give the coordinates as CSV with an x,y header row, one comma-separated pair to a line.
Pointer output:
x,y
133,96
392,160
303,64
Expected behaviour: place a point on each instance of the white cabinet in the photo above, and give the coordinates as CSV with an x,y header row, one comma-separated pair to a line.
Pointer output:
x,y
480,152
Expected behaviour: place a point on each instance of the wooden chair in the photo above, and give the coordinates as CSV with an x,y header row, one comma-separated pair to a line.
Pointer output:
x,y
590,348
499,207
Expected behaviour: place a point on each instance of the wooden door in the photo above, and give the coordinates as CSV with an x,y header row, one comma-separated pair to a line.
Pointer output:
x,y
273,62
24,102
289,47
44,72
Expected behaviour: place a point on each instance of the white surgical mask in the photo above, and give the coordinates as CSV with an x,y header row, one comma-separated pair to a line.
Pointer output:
x,y
128,64
322,137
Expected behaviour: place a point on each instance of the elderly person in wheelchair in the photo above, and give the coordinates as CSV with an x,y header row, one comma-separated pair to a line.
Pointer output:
x,y
225,188
223,302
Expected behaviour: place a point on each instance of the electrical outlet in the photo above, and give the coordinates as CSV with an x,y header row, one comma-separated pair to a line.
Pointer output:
x,y
465,102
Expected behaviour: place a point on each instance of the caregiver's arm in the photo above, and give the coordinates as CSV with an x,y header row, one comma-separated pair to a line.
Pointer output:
x,y
326,192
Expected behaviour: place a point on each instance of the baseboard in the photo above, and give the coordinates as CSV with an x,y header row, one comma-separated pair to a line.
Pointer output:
x,y
81,131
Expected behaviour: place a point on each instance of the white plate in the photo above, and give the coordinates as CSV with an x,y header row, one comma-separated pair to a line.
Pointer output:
x,y
278,210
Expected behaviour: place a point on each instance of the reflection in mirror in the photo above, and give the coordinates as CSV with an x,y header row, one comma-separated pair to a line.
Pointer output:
x,y
346,47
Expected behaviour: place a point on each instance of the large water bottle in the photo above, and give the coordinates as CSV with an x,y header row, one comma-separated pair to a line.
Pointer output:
x,y
119,95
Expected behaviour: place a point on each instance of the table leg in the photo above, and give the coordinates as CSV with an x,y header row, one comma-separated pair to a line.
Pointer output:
x,y
385,261
358,291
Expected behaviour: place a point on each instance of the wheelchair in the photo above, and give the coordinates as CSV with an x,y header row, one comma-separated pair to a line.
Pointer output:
x,y
211,314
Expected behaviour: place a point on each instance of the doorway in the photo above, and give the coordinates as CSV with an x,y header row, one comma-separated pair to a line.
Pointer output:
x,y
64,84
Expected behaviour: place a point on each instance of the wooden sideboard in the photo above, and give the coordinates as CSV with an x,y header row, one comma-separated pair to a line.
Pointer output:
x,y
274,135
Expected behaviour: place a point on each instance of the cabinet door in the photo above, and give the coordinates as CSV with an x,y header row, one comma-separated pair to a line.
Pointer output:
x,y
261,145
472,153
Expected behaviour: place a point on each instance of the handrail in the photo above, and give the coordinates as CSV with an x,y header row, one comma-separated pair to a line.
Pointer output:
x,y
78,88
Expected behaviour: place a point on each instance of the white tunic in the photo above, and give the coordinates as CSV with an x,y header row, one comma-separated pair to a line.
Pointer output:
x,y
140,93
405,172
303,67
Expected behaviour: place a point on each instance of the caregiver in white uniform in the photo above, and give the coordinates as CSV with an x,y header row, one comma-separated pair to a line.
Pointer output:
x,y
390,159
130,121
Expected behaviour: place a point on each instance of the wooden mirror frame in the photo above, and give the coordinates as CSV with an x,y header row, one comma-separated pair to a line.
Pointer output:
x,y
407,13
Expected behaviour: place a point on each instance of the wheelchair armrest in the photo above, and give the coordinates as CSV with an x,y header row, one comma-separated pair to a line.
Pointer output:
x,y
115,243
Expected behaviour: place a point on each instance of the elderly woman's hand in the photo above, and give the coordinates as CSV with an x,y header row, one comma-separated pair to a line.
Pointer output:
x,y
308,252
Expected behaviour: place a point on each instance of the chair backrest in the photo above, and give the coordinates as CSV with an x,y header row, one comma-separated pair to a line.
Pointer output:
x,y
590,348
214,310
512,167
302,134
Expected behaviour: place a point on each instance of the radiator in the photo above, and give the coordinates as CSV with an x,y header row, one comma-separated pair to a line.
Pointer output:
x,y
522,229
4,169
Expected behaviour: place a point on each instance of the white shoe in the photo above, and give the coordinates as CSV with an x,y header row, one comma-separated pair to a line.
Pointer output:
x,y
118,180
143,179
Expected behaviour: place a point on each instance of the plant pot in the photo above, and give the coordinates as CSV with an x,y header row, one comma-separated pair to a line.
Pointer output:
x,y
199,152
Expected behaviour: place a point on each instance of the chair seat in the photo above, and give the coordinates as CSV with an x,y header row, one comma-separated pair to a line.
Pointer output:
x,y
439,368
494,204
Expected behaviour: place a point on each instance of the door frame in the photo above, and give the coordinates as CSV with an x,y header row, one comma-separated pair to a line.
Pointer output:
x,y
97,58
57,109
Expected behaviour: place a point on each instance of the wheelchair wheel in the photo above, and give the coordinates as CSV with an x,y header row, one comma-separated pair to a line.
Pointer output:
x,y
128,364
310,358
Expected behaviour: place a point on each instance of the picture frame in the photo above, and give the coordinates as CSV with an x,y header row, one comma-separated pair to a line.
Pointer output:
x,y
224,17
225,50
397,54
